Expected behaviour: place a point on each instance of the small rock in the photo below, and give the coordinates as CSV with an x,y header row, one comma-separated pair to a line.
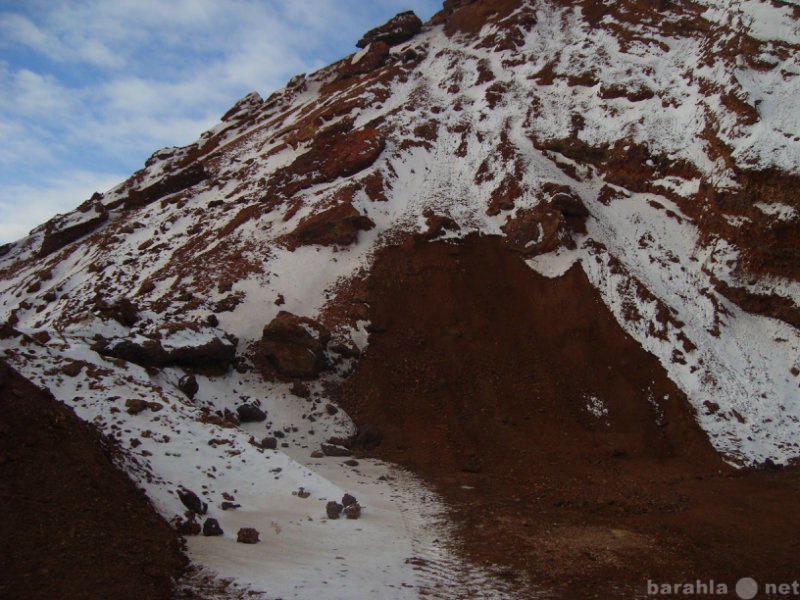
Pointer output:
x,y
333,509
352,511
188,385
211,528
187,527
247,535
351,463
331,409
250,413
303,493
135,405
270,443
317,454
192,502
335,450
72,369
471,467
155,406
229,505
348,499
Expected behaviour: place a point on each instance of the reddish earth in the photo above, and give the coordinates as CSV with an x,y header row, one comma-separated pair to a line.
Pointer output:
x,y
72,526
478,375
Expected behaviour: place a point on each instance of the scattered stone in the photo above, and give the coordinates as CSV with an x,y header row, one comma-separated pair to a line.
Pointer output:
x,y
352,511
211,528
188,385
247,535
188,526
317,454
335,450
155,406
250,413
351,463
269,443
300,389
192,502
229,505
348,499
72,368
135,405
331,409
303,493
333,509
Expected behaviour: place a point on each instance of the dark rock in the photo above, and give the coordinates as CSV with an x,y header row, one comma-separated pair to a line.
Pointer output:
x,y
348,499
72,368
398,29
212,320
229,505
303,493
211,528
192,502
295,345
535,231
122,310
472,467
167,185
188,526
250,413
65,229
155,406
352,511
331,409
368,437
335,450
215,353
351,463
188,385
300,389
569,204
247,535
338,225
135,405
317,454
374,57
145,353
270,443
333,509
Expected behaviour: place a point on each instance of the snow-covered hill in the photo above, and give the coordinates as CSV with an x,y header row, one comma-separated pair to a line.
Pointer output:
x,y
657,148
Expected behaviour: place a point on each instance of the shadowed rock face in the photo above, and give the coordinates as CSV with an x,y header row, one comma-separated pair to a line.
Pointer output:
x,y
295,346
398,29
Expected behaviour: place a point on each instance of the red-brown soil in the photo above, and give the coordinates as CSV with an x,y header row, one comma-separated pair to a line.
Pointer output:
x,y
478,375
72,526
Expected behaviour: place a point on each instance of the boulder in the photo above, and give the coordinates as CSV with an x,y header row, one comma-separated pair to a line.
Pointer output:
x,y
269,443
348,499
372,57
335,450
134,406
191,501
398,29
211,528
535,231
333,509
247,535
250,413
352,511
188,385
295,346
569,205
338,225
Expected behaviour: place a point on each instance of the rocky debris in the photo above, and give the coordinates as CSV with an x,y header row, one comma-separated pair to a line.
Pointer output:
x,y
302,493
228,505
295,346
192,501
333,509
317,454
212,528
189,386
438,225
348,499
374,56
336,152
300,390
250,413
400,28
269,443
352,511
134,406
188,526
247,535
338,225
65,229
72,368
167,185
335,450
146,352
351,463
122,310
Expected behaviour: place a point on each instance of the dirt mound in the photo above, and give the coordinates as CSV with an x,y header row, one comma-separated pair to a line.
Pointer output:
x,y
72,525
561,444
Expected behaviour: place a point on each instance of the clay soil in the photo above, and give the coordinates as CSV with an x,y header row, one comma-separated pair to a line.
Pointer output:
x,y
72,526
479,375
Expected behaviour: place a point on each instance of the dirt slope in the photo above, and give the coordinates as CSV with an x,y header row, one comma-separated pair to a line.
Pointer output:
x,y
480,376
72,526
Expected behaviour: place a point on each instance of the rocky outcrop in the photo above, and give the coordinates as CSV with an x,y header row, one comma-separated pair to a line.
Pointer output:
x,y
295,346
64,230
167,185
338,225
372,57
214,353
535,231
400,28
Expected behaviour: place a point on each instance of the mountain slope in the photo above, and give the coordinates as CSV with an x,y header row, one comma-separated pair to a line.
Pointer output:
x,y
648,155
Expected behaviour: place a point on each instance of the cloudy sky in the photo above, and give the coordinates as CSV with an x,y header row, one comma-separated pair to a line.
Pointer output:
x,y
90,88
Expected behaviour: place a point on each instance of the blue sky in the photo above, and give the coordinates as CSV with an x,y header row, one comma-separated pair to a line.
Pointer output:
x,y
90,88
